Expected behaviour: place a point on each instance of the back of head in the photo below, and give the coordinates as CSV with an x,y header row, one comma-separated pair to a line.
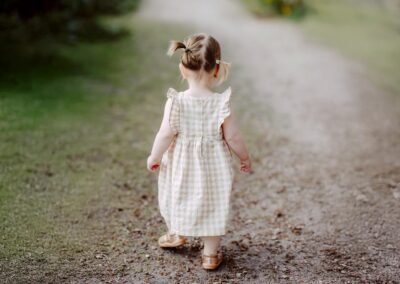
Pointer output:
x,y
201,54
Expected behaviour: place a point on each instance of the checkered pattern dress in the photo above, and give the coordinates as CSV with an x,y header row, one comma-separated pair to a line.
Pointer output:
x,y
196,175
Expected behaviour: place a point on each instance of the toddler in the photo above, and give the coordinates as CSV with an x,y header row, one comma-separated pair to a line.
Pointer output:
x,y
193,151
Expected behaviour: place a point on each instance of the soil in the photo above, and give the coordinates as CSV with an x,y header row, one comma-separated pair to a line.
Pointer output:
x,y
322,203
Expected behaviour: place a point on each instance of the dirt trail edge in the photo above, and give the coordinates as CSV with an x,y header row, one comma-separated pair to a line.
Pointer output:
x,y
323,203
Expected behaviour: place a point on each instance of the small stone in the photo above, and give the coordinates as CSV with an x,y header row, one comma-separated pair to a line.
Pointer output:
x,y
361,197
279,213
276,231
396,194
244,244
147,255
275,234
296,230
238,275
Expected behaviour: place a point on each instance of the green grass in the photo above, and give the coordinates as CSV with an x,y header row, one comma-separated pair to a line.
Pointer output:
x,y
364,31
77,123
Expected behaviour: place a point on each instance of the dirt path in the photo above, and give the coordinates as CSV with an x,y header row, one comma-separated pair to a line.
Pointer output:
x,y
323,203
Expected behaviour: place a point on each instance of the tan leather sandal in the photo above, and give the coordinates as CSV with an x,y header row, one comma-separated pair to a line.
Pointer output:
x,y
211,262
171,241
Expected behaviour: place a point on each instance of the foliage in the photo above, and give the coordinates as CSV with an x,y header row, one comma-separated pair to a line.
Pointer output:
x,y
27,20
73,8
287,8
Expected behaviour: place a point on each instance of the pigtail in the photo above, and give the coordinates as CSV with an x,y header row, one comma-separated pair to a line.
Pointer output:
x,y
174,46
224,68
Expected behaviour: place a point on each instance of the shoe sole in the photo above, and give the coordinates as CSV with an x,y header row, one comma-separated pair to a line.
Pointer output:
x,y
211,267
179,243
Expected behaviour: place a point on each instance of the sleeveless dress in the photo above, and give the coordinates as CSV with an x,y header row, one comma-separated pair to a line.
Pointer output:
x,y
196,175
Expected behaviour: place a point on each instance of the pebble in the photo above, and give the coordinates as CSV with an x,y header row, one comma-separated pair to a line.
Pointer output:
x,y
362,198
244,244
277,231
275,234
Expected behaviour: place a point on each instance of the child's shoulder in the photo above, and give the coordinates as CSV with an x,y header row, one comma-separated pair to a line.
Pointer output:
x,y
173,93
227,93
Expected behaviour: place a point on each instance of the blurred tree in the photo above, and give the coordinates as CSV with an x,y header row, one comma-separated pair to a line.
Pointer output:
x,y
287,8
21,19
86,8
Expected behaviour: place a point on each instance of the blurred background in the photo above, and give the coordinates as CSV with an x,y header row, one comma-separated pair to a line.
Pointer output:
x,y
81,96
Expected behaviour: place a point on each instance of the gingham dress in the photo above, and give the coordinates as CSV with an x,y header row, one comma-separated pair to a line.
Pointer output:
x,y
195,178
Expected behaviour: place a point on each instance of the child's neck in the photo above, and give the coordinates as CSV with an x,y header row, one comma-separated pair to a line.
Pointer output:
x,y
197,86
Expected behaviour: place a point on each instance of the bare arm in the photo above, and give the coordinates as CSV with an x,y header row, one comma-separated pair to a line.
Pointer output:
x,y
235,141
162,141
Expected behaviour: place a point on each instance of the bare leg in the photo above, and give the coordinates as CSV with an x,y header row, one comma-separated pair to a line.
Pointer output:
x,y
211,245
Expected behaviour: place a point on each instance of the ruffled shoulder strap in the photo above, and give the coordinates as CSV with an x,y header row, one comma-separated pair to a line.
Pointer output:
x,y
174,112
227,94
225,109
172,93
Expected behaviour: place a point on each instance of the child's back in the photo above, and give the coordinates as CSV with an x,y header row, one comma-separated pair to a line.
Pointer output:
x,y
195,178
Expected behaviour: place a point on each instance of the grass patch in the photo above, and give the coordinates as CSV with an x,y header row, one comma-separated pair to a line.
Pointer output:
x,y
365,31
77,124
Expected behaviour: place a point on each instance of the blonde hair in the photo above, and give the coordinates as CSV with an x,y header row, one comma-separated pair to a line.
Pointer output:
x,y
202,53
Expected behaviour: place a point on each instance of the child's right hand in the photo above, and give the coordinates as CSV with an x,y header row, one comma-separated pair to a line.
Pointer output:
x,y
152,165
245,166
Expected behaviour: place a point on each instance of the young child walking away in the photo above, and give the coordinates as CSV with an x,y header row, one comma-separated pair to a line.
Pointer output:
x,y
193,151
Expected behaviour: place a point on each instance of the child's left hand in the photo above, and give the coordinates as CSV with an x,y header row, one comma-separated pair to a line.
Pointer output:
x,y
245,166
152,164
